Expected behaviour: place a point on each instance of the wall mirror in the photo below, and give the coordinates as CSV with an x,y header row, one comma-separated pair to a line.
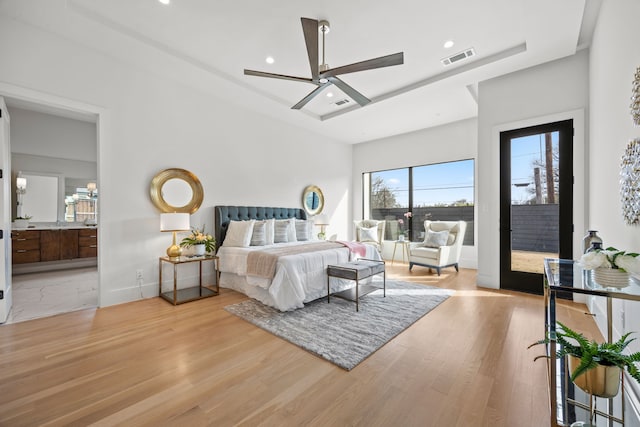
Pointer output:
x,y
313,200
40,200
176,190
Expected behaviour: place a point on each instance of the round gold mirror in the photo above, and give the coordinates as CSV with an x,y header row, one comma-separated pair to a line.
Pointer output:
x,y
313,200
176,190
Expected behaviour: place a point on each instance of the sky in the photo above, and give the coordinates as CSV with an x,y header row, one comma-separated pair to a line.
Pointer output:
x,y
433,184
446,183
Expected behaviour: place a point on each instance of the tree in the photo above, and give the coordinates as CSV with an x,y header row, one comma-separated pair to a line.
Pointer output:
x,y
381,195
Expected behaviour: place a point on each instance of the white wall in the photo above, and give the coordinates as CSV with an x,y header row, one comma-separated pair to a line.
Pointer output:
x,y
557,90
41,134
614,58
149,123
454,141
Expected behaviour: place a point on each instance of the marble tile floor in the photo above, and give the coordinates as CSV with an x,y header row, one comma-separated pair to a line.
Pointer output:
x,y
48,293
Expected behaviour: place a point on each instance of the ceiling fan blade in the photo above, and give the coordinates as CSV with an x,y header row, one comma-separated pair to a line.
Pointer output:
x,y
276,76
351,92
383,61
310,29
309,97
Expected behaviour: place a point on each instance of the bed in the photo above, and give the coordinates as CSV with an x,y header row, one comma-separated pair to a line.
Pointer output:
x,y
297,273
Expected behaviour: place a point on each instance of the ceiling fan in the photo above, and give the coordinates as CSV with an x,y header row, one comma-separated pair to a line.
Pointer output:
x,y
323,76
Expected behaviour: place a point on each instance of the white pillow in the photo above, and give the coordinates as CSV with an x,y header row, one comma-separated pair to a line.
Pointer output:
x,y
369,234
435,239
269,230
239,234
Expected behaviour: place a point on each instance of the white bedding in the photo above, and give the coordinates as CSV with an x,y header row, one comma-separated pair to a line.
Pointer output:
x,y
299,278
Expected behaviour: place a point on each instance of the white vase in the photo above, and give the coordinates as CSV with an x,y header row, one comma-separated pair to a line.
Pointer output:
x,y
198,250
611,277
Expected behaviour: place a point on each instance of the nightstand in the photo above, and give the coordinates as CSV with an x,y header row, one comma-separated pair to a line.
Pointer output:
x,y
179,296
405,249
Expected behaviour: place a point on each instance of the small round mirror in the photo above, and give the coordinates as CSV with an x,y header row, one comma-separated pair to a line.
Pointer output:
x,y
313,200
176,190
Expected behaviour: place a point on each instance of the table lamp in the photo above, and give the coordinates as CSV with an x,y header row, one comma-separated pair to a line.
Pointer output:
x,y
174,222
322,221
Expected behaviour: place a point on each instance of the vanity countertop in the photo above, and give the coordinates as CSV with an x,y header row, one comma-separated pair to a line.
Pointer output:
x,y
53,227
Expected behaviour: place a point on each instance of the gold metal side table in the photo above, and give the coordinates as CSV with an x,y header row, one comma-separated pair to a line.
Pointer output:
x,y
405,249
180,296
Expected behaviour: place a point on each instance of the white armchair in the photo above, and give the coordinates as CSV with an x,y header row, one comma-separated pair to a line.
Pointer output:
x,y
441,247
370,231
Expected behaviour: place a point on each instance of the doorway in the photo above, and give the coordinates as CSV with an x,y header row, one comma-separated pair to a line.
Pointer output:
x,y
536,202
51,287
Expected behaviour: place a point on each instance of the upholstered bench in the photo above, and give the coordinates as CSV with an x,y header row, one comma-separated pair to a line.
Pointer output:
x,y
356,270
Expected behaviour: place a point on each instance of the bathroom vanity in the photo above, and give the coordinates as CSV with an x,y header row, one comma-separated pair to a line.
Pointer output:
x,y
52,247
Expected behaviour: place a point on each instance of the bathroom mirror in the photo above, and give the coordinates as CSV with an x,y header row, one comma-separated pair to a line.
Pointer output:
x,y
176,190
40,200
313,200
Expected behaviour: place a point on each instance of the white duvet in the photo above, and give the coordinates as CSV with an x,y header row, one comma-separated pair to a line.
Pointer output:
x,y
298,279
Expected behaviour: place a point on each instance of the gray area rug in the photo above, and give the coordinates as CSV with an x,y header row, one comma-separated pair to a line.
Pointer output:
x,y
339,334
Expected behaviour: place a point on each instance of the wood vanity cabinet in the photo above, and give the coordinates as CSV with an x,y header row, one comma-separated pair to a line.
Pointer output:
x,y
53,245
88,242
69,244
25,246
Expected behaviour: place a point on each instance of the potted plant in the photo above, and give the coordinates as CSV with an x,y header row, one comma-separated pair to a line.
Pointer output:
x,y
611,266
22,221
595,367
200,241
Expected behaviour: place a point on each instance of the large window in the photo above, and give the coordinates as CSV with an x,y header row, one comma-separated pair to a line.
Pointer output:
x,y
405,197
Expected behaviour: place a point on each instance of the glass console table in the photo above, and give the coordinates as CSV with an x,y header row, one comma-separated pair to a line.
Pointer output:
x,y
567,277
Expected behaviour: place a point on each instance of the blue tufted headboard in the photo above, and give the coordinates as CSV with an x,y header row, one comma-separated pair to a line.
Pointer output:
x,y
225,214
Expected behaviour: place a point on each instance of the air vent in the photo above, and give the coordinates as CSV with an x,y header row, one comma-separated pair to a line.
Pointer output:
x,y
458,57
342,102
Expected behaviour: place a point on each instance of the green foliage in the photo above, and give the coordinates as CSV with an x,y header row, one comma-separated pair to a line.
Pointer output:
x,y
199,237
592,354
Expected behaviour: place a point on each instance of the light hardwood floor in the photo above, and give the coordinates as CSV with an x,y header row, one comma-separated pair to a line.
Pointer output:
x,y
149,363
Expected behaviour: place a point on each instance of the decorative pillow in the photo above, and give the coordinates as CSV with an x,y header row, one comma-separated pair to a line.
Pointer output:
x,y
259,236
239,233
304,230
369,234
281,232
269,230
435,239
451,238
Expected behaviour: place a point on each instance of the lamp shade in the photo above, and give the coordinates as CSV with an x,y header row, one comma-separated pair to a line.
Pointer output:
x,y
21,183
174,222
91,186
321,220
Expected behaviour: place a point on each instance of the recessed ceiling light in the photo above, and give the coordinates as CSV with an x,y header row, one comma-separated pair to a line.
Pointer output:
x,y
270,60
329,94
448,44
165,1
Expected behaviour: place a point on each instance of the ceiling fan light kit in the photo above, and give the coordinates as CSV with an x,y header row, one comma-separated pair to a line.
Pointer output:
x,y
321,75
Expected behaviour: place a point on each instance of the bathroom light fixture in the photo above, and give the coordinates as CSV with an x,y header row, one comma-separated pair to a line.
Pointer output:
x,y
21,189
174,222
270,60
448,44
165,1
91,188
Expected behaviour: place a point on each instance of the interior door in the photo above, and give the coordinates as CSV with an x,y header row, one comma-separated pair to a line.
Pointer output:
x,y
5,215
536,202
